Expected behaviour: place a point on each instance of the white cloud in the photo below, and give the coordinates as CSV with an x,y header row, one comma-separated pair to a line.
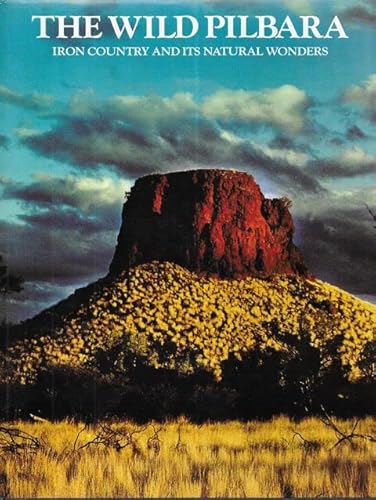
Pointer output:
x,y
35,101
363,95
152,110
356,156
299,7
24,132
296,158
283,107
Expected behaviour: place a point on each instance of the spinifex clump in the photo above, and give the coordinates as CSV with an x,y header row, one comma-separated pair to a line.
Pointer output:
x,y
173,319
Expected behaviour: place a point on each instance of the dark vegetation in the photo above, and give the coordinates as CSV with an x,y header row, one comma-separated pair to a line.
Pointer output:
x,y
259,386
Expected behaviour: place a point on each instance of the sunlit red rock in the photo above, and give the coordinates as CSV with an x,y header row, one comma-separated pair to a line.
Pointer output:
x,y
209,221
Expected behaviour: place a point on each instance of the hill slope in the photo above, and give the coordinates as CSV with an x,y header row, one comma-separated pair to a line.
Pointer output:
x,y
174,319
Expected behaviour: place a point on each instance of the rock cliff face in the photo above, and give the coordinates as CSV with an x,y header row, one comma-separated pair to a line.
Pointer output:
x,y
209,221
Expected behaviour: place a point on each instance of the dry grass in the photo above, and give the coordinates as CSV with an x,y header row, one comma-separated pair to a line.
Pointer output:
x,y
180,459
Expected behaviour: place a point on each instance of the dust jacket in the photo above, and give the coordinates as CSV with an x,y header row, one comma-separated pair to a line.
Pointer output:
x,y
187,248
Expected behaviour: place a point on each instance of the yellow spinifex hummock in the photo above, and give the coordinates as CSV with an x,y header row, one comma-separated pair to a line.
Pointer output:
x,y
176,319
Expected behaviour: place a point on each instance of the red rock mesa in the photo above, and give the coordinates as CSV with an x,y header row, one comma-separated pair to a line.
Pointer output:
x,y
210,221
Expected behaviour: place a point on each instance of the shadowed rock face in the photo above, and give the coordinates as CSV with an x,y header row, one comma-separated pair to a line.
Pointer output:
x,y
209,221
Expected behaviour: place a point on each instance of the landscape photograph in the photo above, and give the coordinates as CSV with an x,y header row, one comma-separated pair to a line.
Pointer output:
x,y
187,249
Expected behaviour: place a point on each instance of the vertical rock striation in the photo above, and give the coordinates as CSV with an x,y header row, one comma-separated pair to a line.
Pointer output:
x,y
209,221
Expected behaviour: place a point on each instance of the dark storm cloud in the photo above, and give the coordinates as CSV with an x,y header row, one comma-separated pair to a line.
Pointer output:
x,y
53,260
68,227
291,178
41,252
162,145
90,144
363,13
64,237
134,153
355,133
69,220
136,135
340,246
281,141
337,141
337,168
4,141
352,134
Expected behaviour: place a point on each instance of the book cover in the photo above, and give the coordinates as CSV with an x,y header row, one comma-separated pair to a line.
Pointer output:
x,y
187,248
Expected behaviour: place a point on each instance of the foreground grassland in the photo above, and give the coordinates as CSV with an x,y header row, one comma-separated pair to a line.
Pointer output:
x,y
180,459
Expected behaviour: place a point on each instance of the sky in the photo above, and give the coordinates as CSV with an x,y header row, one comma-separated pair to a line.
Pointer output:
x,y
75,133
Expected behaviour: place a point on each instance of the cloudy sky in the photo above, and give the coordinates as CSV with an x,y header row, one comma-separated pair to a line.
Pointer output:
x,y
75,133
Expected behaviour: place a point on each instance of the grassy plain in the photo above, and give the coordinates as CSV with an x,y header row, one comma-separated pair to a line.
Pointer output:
x,y
180,459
